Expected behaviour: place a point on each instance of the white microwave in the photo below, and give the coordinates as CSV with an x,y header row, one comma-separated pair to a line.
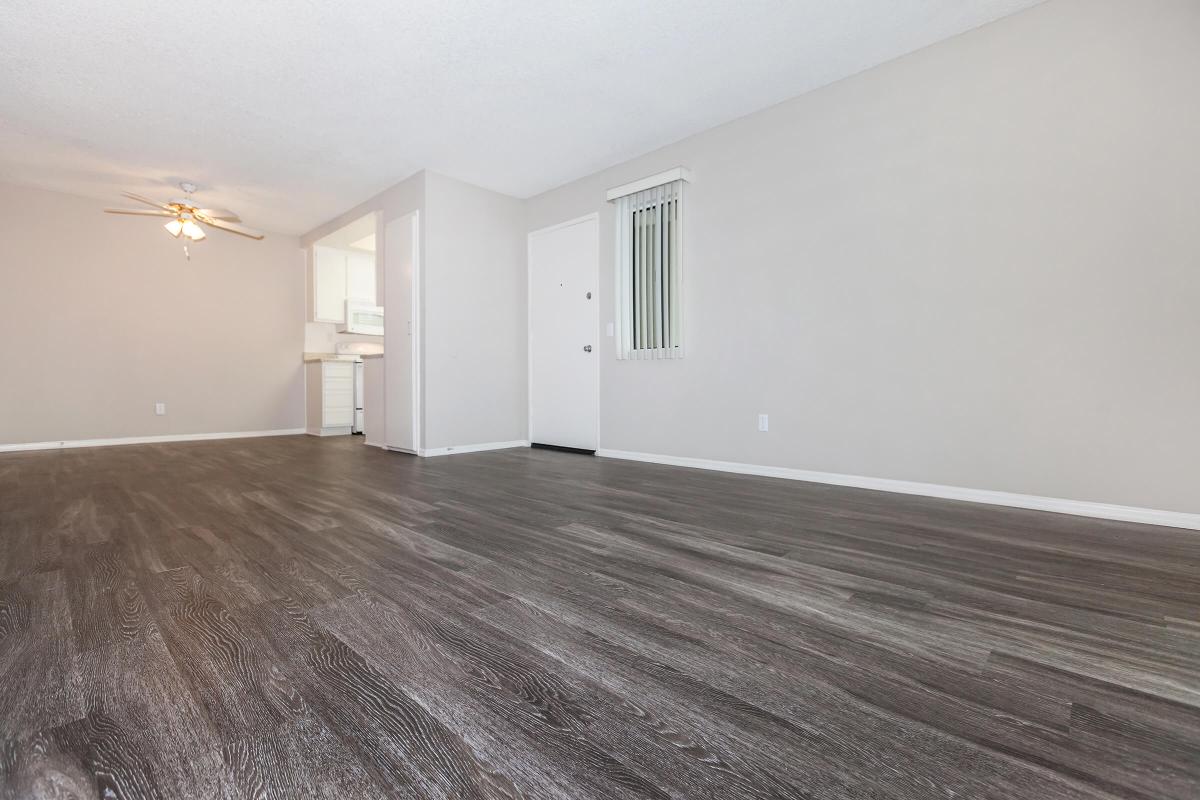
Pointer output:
x,y
362,317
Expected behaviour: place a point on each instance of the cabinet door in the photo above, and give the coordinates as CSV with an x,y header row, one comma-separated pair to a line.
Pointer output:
x,y
329,284
360,277
337,393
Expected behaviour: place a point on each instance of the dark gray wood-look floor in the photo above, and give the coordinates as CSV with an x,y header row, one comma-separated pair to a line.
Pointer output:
x,y
301,617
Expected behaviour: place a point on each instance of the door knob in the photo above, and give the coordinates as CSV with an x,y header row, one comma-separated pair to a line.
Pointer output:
x,y
587,348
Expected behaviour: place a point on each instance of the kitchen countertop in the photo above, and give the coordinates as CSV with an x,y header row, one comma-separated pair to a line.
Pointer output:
x,y
310,358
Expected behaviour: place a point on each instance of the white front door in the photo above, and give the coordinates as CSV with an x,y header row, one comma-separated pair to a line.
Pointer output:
x,y
564,320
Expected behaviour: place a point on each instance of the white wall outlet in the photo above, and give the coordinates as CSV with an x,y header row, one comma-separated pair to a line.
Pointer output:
x,y
160,409
611,329
762,422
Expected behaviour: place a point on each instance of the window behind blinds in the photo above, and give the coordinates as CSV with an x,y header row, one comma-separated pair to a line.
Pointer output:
x,y
649,286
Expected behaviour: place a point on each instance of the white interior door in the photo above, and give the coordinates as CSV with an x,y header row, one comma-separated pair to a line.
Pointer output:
x,y
401,332
564,320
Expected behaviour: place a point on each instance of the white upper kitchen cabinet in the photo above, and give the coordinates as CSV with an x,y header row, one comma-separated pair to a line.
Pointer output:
x,y
339,275
329,284
360,276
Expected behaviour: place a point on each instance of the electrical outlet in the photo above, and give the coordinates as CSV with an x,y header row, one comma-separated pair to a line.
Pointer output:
x,y
762,422
160,409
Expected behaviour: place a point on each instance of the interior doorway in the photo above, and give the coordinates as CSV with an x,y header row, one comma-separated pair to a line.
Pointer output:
x,y
344,322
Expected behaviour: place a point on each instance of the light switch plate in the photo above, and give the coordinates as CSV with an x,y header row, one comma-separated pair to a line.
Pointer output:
x,y
611,329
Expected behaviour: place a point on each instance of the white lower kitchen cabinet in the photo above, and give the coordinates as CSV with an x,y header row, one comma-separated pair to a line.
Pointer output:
x,y
330,397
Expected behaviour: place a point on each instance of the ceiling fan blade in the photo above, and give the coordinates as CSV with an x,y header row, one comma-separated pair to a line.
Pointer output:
x,y
222,225
218,213
147,201
141,212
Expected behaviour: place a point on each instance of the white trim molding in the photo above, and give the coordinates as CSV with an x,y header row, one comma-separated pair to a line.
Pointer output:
x,y
472,448
336,430
595,215
1081,508
170,437
649,182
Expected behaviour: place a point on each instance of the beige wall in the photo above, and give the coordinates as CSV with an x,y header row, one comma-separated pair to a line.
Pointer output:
x,y
101,317
978,265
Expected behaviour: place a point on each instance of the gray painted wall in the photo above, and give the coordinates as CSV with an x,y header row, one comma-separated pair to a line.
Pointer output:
x,y
474,304
978,265
392,203
101,317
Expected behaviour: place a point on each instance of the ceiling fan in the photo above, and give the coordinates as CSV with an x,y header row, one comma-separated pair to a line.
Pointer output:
x,y
187,220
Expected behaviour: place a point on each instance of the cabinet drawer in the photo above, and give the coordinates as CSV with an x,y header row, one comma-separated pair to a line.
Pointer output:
x,y
338,370
337,394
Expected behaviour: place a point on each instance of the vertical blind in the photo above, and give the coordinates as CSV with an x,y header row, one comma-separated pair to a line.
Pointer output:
x,y
649,269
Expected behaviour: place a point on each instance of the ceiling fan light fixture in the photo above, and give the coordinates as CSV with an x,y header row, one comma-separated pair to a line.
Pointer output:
x,y
191,230
186,219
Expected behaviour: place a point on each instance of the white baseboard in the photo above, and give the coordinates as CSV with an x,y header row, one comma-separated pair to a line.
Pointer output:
x,y
391,449
340,430
472,448
1149,516
170,437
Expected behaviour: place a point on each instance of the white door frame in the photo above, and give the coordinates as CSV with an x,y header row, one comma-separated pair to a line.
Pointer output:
x,y
529,318
417,331
415,340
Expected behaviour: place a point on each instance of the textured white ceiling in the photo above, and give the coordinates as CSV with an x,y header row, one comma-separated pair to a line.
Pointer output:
x,y
291,112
